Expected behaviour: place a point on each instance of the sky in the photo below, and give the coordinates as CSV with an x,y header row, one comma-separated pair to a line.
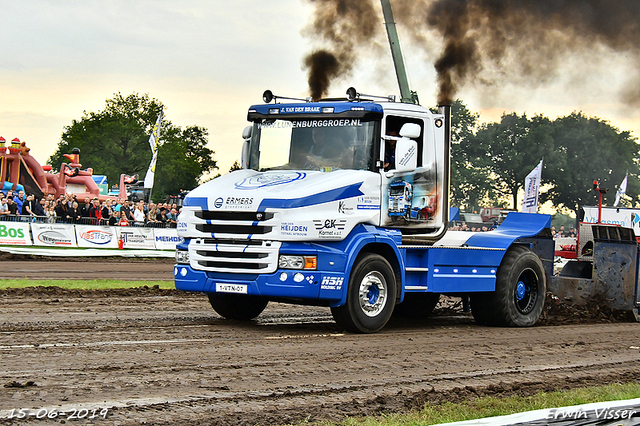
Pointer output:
x,y
208,61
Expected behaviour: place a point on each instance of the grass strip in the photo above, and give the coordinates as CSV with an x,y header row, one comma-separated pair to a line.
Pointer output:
x,y
491,406
84,284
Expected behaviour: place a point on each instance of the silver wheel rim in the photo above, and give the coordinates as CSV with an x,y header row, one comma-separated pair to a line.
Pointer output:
x,y
372,294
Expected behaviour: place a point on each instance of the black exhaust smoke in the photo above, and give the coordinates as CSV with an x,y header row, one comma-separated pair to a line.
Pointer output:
x,y
485,42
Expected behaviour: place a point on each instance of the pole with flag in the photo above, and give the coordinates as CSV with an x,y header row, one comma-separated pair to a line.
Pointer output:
x,y
621,190
532,190
154,140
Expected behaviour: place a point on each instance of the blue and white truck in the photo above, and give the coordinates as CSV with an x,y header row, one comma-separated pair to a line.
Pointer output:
x,y
344,203
308,221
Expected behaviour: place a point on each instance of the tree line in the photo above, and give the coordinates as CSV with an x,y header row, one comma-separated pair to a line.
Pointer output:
x,y
489,161
116,141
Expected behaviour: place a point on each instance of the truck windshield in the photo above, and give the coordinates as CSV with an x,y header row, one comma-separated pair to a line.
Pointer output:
x,y
311,144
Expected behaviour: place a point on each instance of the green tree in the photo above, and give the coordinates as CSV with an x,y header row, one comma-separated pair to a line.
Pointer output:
x,y
591,149
115,141
469,184
235,166
509,150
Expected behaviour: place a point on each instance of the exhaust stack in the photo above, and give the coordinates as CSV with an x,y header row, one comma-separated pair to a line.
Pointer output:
x,y
446,180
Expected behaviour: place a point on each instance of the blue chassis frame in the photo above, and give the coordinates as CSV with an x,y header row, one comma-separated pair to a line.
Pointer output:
x,y
470,268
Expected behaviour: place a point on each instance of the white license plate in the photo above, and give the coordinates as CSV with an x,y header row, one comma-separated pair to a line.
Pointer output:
x,y
231,288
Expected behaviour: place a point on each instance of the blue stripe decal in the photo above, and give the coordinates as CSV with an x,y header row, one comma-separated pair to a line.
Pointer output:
x,y
196,202
348,191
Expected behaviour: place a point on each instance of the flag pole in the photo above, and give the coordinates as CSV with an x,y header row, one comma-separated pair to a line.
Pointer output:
x,y
154,140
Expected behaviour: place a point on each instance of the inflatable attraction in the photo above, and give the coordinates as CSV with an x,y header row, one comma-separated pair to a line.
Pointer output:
x,y
19,170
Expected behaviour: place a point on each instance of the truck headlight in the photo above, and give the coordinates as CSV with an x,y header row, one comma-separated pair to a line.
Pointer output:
x,y
182,256
287,261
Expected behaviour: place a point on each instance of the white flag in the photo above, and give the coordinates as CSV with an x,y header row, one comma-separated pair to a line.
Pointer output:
x,y
621,190
154,139
532,189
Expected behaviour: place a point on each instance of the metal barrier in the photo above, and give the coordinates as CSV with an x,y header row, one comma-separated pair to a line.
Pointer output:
x,y
81,221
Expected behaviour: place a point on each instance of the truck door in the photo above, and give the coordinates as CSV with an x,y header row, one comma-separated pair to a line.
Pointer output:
x,y
409,198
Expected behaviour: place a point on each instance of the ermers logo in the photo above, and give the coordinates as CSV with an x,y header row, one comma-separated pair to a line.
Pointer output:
x,y
267,179
241,202
97,236
218,202
54,238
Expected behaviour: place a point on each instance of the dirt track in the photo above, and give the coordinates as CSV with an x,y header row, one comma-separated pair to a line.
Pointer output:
x,y
164,357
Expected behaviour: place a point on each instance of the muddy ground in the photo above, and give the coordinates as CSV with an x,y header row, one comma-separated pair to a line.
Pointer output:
x,y
162,357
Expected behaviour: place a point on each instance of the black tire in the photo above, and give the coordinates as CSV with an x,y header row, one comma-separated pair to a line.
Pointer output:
x,y
237,306
520,291
417,305
371,296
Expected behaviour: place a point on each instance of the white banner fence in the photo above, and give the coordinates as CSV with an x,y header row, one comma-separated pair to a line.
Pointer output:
x,y
87,236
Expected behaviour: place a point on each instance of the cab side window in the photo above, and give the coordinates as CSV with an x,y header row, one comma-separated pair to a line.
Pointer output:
x,y
393,124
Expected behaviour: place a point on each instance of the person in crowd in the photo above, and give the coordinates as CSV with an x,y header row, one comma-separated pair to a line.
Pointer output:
x,y
75,213
125,211
50,212
12,206
153,212
107,210
174,217
4,208
86,207
114,219
38,207
28,205
138,215
117,205
123,220
95,212
19,200
62,210
162,215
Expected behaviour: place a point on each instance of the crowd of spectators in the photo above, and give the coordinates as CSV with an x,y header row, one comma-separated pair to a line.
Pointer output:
x,y
462,226
90,211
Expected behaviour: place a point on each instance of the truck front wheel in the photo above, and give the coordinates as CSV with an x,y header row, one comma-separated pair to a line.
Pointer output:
x,y
520,291
237,306
370,297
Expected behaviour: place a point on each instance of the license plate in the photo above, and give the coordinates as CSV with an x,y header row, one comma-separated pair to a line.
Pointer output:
x,y
231,288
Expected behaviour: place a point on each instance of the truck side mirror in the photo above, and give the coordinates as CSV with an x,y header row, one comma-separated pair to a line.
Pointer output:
x,y
246,135
406,154
410,130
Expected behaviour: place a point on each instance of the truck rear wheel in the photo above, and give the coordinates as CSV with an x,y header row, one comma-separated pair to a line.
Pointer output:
x,y
417,305
237,306
370,297
520,291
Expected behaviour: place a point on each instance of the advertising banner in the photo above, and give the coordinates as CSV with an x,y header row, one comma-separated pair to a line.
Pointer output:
x,y
52,234
166,239
94,236
136,238
629,218
15,233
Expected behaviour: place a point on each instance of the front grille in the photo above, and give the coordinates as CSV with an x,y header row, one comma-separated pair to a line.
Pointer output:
x,y
210,255
234,241
244,216
233,229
